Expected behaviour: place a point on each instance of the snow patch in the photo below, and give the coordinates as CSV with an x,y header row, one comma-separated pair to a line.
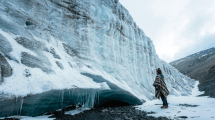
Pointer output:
x,y
179,62
77,111
203,55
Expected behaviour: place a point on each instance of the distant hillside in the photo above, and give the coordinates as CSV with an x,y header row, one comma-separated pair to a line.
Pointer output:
x,y
199,66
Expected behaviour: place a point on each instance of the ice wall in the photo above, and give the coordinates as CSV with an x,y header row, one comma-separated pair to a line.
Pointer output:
x,y
64,44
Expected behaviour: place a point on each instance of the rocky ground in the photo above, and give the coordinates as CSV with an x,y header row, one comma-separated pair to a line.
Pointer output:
x,y
108,113
102,113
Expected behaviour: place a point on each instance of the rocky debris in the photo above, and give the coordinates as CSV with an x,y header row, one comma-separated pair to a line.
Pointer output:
x,y
55,55
182,117
187,105
28,23
109,113
6,69
59,113
59,65
151,112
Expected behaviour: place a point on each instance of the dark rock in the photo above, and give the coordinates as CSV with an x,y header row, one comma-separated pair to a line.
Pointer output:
x,y
5,46
187,105
28,23
6,69
55,55
182,117
59,65
151,112
34,62
31,44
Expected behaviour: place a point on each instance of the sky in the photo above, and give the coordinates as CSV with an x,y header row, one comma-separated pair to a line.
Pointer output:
x,y
177,28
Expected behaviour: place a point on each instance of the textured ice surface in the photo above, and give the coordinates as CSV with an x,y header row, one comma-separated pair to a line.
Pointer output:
x,y
59,42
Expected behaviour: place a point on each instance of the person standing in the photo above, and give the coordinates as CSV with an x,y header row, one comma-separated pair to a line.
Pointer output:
x,y
161,90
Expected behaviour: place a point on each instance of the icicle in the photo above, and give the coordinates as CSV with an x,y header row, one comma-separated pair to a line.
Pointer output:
x,y
98,98
72,92
18,109
62,101
22,100
83,98
88,101
95,98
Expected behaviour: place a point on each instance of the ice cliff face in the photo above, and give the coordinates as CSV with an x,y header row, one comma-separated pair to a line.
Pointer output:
x,y
77,44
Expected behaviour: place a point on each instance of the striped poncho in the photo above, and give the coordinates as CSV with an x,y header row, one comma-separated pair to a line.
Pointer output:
x,y
160,86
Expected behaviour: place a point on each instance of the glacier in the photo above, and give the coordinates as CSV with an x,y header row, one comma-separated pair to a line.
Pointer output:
x,y
56,53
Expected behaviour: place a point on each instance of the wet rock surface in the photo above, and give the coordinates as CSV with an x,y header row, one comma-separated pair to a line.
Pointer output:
x,y
108,113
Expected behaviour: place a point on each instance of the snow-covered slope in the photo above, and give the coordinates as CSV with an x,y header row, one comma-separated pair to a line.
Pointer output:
x,y
70,44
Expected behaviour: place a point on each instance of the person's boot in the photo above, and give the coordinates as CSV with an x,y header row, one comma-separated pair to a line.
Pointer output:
x,y
167,106
163,106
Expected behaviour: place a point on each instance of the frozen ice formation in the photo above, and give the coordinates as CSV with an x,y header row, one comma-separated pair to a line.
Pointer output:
x,y
92,48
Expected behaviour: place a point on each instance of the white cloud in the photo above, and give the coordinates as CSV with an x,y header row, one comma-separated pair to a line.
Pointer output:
x,y
178,28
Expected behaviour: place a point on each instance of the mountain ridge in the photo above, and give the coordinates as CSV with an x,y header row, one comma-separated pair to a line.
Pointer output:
x,y
199,66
